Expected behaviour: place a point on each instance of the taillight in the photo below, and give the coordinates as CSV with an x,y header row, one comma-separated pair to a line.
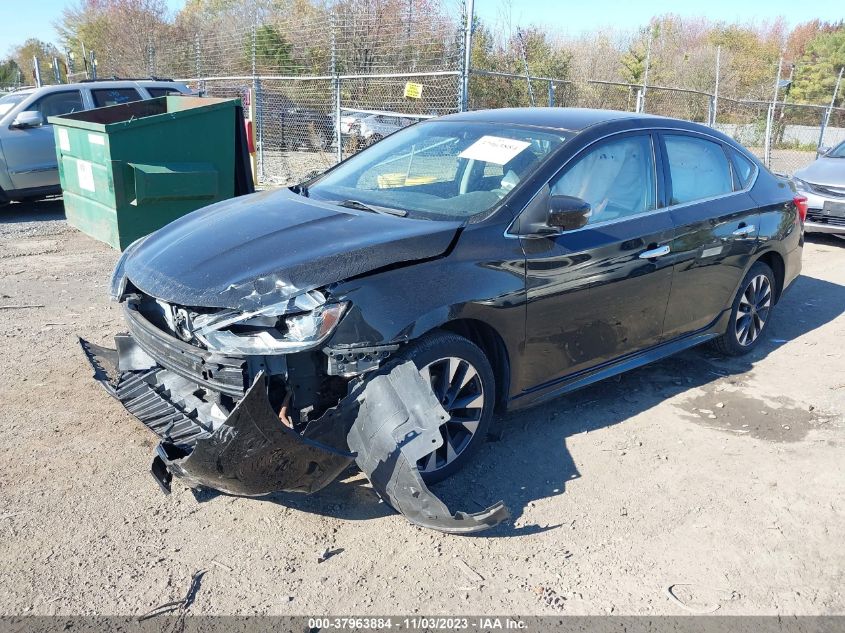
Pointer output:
x,y
801,205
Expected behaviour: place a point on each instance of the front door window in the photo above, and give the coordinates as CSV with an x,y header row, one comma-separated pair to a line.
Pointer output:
x,y
616,177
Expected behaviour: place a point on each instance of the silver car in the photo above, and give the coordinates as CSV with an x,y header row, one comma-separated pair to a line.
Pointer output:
x,y
823,183
28,164
371,127
376,126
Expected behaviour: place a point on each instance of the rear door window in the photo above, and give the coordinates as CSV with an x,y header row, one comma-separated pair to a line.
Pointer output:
x,y
698,168
114,96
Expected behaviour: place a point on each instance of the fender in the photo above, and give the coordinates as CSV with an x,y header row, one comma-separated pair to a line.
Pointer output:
x,y
780,234
387,307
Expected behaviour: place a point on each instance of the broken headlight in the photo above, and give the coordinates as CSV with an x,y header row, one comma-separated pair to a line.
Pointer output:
x,y
294,325
118,277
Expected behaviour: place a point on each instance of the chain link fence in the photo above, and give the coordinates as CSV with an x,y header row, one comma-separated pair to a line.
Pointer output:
x,y
304,125
327,80
330,79
786,136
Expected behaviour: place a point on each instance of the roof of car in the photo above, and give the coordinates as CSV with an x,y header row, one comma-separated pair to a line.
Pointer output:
x,y
100,83
573,119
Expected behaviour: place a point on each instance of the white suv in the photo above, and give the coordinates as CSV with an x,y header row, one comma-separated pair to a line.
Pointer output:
x,y
28,164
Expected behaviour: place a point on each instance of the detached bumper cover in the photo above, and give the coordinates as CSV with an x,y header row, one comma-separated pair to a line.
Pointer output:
x,y
386,424
252,453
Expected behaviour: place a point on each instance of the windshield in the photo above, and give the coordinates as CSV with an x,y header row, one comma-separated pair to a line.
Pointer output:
x,y
10,101
838,151
440,169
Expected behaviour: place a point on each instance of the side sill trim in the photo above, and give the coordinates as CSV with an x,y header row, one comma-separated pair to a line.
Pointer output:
x,y
587,377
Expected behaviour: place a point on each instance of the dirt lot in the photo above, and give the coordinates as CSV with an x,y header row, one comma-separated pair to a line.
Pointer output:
x,y
724,478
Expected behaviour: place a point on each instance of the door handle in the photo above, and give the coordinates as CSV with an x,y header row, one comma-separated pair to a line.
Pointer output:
x,y
660,251
744,231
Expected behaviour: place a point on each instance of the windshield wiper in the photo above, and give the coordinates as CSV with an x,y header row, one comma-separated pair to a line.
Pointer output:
x,y
357,204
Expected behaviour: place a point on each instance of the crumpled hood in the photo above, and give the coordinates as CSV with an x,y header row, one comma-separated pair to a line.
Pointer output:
x,y
259,249
824,171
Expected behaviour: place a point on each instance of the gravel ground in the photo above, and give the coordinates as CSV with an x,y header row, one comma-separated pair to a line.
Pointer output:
x,y
723,478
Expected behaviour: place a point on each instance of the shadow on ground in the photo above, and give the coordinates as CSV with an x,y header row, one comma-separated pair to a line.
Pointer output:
x,y
32,211
825,238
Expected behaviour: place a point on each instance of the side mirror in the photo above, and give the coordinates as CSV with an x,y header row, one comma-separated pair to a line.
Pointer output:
x,y
568,212
30,118
822,150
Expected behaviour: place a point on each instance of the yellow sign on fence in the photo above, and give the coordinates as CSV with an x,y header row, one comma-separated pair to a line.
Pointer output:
x,y
413,91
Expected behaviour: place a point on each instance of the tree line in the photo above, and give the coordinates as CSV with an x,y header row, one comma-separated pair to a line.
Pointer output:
x,y
311,37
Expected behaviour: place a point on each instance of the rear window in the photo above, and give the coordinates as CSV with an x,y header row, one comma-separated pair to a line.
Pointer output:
x,y
114,96
162,92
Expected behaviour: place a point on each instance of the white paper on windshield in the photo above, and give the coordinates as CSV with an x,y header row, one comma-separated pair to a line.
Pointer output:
x,y
494,149
64,141
85,175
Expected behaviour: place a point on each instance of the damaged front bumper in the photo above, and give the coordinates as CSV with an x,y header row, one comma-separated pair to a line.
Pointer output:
x,y
386,423
251,453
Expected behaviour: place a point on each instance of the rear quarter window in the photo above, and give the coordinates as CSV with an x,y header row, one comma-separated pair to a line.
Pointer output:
x,y
744,169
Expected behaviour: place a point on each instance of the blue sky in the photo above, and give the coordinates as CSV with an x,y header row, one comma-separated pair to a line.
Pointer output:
x,y
574,17
34,18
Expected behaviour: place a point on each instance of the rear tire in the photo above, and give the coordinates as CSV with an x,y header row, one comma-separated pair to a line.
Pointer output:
x,y
750,313
462,379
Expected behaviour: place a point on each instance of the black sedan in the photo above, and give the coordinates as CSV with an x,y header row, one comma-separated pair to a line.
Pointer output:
x,y
487,260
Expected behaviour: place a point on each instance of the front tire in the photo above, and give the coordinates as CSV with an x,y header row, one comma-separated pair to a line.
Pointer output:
x,y
462,379
750,313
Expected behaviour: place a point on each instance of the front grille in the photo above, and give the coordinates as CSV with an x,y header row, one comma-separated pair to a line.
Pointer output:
x,y
217,372
824,190
820,218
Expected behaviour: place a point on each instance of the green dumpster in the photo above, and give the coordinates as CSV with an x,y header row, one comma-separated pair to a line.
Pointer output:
x,y
129,169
